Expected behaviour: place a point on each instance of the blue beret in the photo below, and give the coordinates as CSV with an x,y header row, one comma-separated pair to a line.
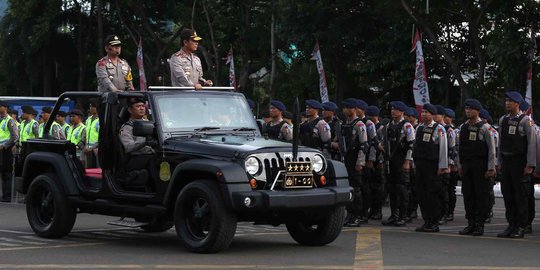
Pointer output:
x,y
372,111
76,112
329,106
361,104
349,103
430,108
46,109
484,113
473,104
314,104
28,109
279,105
412,112
524,106
440,109
4,104
450,113
514,96
251,103
399,105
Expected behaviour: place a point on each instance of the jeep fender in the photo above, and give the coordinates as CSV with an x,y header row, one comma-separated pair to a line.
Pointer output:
x,y
42,162
337,173
229,175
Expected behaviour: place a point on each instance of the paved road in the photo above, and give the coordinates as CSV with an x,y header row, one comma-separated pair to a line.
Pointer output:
x,y
95,245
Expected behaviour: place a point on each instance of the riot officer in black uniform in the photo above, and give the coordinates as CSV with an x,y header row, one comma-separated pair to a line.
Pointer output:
x,y
524,107
356,143
454,169
378,175
517,159
314,132
329,115
278,129
431,159
477,157
412,116
485,116
399,140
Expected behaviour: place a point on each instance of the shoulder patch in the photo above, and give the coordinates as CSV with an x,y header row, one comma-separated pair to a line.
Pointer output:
x,y
101,62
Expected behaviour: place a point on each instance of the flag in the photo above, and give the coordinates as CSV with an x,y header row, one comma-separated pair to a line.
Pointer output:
x,y
316,55
140,64
528,93
420,84
230,62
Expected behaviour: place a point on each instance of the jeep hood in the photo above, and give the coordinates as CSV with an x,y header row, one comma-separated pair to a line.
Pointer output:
x,y
226,146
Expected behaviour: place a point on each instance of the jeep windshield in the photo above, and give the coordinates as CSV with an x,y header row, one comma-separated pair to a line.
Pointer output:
x,y
201,112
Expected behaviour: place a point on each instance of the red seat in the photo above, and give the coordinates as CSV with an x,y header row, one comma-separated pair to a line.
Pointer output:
x,y
93,172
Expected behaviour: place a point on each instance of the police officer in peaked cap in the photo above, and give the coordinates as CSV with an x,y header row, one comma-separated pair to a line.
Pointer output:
x,y
186,67
113,73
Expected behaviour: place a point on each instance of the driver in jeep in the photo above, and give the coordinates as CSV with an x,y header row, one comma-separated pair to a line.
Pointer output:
x,y
139,154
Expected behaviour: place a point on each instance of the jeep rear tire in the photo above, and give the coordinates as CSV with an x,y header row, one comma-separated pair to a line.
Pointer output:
x,y
202,221
49,213
318,233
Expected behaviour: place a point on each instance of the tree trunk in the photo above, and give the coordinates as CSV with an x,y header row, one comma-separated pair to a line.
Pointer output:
x,y
214,66
273,52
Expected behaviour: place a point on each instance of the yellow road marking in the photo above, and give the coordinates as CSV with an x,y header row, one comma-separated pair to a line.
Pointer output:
x,y
56,246
368,249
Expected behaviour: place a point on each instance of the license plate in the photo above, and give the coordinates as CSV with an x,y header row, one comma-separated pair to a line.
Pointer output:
x,y
298,175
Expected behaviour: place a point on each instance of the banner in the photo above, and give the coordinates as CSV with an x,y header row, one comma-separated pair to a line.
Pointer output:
x,y
528,93
420,85
230,62
316,55
140,64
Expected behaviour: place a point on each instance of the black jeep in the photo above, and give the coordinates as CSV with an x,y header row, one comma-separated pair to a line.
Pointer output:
x,y
213,169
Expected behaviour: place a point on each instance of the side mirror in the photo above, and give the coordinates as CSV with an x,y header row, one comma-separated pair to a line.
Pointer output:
x,y
142,128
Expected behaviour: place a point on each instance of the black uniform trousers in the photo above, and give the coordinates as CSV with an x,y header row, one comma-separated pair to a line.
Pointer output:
x,y
452,192
532,207
445,198
398,188
6,169
514,187
413,195
429,189
475,189
377,184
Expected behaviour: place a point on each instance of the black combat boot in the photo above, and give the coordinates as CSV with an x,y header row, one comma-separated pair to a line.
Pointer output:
x,y
391,220
422,228
450,217
353,222
433,227
478,229
507,232
376,215
518,232
469,229
528,228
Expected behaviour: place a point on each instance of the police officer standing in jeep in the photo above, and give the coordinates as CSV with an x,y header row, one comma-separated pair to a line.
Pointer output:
x,y
278,129
398,148
356,142
517,159
113,73
9,135
186,67
477,158
431,159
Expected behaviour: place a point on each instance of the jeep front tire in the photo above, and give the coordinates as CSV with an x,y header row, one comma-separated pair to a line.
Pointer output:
x,y
320,232
202,221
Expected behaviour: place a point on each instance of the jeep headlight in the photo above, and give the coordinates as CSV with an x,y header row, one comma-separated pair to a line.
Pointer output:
x,y
253,166
318,164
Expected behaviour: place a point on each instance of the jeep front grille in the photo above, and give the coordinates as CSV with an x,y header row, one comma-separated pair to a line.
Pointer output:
x,y
273,163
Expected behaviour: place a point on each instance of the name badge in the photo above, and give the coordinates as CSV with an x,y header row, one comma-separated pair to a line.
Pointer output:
x,y
512,130
472,136
427,137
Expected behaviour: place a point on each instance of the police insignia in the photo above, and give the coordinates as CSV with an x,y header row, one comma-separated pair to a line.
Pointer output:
x,y
128,76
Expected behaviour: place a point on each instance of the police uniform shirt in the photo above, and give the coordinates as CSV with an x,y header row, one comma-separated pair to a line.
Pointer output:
x,y
133,145
186,69
322,130
33,129
381,129
359,134
457,130
484,134
9,124
81,144
285,132
372,140
113,78
56,131
439,138
537,131
451,141
524,128
407,133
